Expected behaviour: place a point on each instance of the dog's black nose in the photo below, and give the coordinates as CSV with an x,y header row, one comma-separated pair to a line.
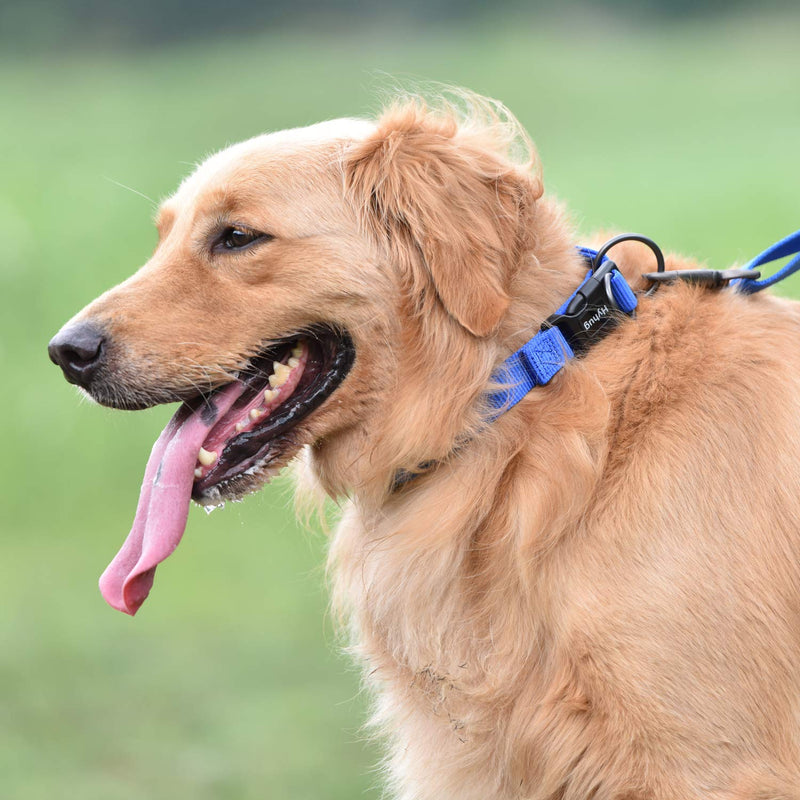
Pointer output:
x,y
79,350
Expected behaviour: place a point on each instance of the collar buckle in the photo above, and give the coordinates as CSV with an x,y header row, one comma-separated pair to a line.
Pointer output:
x,y
592,312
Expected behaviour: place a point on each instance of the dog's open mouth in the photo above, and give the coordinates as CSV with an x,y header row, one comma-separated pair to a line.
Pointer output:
x,y
221,446
279,389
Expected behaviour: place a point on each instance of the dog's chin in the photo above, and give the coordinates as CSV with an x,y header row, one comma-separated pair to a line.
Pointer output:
x,y
232,477
249,478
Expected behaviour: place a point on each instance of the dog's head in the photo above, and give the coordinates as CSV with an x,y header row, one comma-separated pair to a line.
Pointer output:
x,y
338,286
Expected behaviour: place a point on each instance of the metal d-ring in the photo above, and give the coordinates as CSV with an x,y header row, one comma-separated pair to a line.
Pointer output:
x,y
632,237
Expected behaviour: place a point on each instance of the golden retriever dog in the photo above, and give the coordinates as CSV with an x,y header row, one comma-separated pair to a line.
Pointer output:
x,y
595,596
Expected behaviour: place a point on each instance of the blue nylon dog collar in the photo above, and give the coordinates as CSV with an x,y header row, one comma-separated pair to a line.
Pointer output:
x,y
590,311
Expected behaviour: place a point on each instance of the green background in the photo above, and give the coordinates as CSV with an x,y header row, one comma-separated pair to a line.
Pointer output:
x,y
229,684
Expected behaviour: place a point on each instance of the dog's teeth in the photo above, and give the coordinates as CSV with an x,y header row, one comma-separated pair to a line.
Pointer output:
x,y
270,395
206,457
198,473
280,376
297,351
240,426
293,362
255,414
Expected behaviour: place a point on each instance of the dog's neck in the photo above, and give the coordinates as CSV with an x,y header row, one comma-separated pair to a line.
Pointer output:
x,y
433,404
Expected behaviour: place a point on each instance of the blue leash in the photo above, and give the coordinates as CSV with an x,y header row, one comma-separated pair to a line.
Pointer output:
x,y
790,246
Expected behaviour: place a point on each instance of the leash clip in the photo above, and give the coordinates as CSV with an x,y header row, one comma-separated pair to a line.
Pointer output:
x,y
712,278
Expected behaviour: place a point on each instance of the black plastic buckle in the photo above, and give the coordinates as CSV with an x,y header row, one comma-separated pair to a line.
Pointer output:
x,y
591,314
713,278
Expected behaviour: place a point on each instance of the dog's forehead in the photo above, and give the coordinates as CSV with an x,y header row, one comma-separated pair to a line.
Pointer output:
x,y
292,149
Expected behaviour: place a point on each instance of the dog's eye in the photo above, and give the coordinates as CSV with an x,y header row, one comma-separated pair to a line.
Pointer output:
x,y
237,238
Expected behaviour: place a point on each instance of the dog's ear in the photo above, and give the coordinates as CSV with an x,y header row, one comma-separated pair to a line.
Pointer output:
x,y
455,209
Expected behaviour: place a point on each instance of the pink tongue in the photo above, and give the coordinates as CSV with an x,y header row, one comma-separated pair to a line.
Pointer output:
x,y
163,503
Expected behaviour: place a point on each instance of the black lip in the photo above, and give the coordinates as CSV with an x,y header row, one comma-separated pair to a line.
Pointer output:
x,y
331,355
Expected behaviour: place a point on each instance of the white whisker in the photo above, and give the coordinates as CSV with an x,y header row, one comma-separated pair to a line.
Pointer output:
x,y
131,189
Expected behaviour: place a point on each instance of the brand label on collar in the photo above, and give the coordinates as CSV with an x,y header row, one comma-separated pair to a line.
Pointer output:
x,y
595,318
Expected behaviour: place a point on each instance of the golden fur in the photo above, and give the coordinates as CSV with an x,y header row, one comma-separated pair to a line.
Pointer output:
x,y
597,597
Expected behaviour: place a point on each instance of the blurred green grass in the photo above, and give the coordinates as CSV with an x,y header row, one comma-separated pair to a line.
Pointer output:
x,y
228,684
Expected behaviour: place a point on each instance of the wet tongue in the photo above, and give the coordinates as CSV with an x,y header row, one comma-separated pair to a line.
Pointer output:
x,y
163,502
